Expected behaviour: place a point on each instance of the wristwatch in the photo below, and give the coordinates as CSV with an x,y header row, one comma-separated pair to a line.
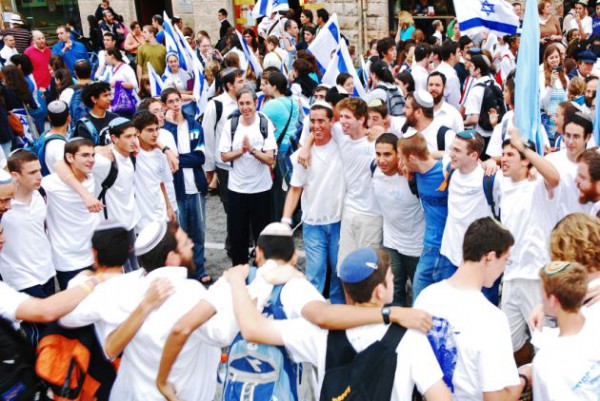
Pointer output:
x,y
253,151
385,313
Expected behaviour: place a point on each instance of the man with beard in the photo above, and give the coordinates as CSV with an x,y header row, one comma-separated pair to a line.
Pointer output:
x,y
443,112
591,85
131,315
419,112
588,179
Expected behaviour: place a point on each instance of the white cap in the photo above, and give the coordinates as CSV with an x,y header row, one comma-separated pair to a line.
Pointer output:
x,y
322,104
5,177
149,237
277,230
16,19
423,98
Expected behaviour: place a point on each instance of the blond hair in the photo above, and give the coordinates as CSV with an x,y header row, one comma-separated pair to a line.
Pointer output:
x,y
576,238
414,145
568,284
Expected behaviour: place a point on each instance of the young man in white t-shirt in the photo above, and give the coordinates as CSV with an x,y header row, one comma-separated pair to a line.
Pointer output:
x,y
588,179
525,209
151,172
54,150
70,224
567,367
578,131
403,216
473,332
250,152
322,188
368,281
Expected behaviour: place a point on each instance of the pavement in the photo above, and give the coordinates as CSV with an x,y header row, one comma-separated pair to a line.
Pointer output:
x,y
216,257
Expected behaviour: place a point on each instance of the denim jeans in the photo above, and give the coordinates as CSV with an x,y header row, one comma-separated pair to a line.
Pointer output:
x,y
403,267
131,263
192,209
433,267
321,244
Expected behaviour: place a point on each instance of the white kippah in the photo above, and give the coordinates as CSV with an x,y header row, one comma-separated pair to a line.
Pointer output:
x,y
277,230
149,237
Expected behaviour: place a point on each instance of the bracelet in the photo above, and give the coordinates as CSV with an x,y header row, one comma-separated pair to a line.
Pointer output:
x,y
164,149
521,375
68,177
86,287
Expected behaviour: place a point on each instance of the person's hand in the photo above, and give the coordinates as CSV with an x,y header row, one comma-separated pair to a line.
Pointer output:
x,y
515,138
171,214
493,115
173,159
411,318
246,144
106,151
158,292
490,166
375,132
237,273
168,391
536,317
281,275
592,296
210,175
553,77
304,157
92,203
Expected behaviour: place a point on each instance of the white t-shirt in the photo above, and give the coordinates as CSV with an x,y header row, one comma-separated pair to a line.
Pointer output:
x,y
452,91
183,146
586,24
474,101
151,170
494,148
466,203
166,138
527,211
568,201
568,368
482,339
124,74
55,151
120,199
213,130
450,117
403,216
430,133
70,225
323,184
416,362
420,75
357,156
11,299
248,175
24,226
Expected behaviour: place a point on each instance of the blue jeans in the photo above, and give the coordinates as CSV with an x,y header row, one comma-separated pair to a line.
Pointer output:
x,y
131,263
192,209
322,244
433,267
403,267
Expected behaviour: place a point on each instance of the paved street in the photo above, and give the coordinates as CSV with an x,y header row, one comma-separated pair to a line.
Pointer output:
x,y
216,231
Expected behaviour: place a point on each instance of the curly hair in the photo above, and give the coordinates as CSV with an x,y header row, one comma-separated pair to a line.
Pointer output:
x,y
576,238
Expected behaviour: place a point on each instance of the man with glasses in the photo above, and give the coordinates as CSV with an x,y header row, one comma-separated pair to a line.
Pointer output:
x,y
68,49
70,224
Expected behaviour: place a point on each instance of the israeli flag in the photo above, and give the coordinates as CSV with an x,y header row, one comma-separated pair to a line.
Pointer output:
x,y
267,7
477,16
201,87
185,49
171,42
342,62
250,56
156,82
326,43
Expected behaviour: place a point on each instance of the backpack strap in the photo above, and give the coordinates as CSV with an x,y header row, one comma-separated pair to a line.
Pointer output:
x,y
488,190
219,111
264,126
133,160
412,185
339,350
441,137
373,167
393,336
108,183
91,128
234,124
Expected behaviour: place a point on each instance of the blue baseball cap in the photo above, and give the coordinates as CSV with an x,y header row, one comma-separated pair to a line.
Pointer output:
x,y
358,265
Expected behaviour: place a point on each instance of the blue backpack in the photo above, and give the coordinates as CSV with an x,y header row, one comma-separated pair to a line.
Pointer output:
x,y
77,108
38,147
261,372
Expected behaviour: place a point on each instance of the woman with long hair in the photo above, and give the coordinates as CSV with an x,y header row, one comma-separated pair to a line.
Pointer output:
x,y
176,77
18,95
56,63
553,88
306,20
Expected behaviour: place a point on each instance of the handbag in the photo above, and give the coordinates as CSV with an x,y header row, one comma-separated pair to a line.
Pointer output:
x,y
123,102
15,124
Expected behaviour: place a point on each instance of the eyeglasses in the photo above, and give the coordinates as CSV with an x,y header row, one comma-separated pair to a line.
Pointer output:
x,y
555,267
467,134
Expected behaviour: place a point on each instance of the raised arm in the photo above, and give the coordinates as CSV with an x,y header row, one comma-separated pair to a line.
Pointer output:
x,y
543,166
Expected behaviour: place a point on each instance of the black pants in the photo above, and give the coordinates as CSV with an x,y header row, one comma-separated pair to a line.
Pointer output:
x,y
244,209
34,331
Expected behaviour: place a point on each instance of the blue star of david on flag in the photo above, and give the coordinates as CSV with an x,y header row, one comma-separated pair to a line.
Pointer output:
x,y
486,7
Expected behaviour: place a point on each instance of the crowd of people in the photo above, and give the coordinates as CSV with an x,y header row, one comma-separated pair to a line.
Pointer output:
x,y
446,256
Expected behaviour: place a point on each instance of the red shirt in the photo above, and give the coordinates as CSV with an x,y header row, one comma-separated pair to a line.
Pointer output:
x,y
40,60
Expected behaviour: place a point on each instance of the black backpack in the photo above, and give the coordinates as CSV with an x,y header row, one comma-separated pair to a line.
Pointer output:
x,y
363,376
440,136
493,98
263,124
18,380
109,181
395,101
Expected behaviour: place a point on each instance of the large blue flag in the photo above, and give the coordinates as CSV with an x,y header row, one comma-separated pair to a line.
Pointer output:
x,y
597,117
527,82
266,7
477,16
342,62
326,43
172,44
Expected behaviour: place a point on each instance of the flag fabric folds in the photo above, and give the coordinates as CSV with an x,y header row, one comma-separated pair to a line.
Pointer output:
x,y
266,7
250,56
494,16
156,82
326,43
527,82
342,62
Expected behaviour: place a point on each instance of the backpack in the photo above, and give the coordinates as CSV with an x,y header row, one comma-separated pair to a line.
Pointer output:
x,y
257,371
99,138
72,364
77,109
18,381
492,99
109,181
488,189
38,148
395,101
263,125
412,183
363,376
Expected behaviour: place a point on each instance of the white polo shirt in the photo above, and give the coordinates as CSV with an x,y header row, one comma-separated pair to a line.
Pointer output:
x,y
24,227
70,224
120,200
10,301
450,117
